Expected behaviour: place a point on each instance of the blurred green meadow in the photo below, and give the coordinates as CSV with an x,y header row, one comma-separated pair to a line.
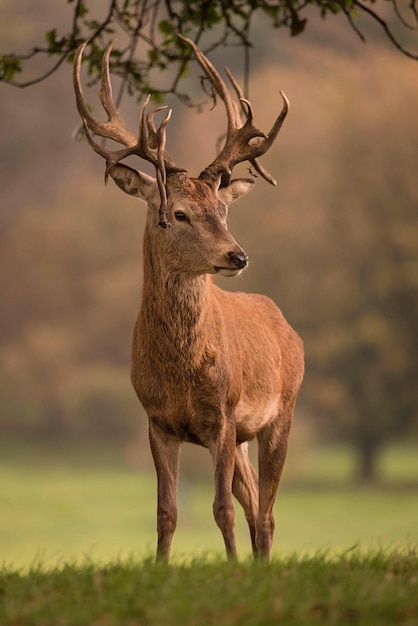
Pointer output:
x,y
59,506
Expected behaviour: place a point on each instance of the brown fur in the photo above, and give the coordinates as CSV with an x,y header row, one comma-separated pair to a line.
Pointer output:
x,y
210,367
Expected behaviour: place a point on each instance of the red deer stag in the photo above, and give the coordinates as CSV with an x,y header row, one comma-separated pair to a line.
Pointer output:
x,y
210,367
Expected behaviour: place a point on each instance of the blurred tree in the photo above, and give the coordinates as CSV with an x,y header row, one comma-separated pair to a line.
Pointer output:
x,y
155,23
365,338
67,322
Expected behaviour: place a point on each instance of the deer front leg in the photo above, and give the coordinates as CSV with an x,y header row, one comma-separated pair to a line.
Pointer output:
x,y
272,447
165,452
245,489
223,456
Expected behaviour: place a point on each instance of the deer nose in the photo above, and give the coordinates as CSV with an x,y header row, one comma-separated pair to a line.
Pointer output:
x,y
240,260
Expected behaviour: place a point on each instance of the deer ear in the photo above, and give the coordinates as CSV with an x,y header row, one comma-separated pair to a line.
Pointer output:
x,y
134,183
236,188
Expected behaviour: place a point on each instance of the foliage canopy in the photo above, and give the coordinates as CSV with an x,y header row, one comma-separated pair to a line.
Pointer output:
x,y
155,23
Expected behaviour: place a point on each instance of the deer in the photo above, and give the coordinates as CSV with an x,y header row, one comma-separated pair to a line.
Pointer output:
x,y
210,367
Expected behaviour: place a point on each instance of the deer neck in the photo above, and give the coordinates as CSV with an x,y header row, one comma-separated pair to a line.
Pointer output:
x,y
175,306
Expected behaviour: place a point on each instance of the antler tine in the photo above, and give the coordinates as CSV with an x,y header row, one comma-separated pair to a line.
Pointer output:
x,y
115,127
241,130
218,83
279,121
79,96
152,131
161,170
249,116
239,93
265,145
161,141
105,92
142,142
156,140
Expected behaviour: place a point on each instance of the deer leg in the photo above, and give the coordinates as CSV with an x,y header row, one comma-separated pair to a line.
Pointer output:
x,y
272,447
245,489
165,452
223,456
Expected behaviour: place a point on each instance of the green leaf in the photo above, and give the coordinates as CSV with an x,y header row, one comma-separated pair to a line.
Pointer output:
x,y
51,37
82,10
157,97
153,56
166,27
9,66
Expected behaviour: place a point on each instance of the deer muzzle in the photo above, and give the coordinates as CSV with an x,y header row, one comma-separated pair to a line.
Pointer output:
x,y
236,262
239,260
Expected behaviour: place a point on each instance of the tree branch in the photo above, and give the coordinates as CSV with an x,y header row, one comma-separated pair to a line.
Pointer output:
x,y
400,16
39,79
386,28
156,23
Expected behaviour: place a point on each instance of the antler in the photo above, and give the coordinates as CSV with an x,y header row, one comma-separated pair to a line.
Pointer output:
x,y
150,142
240,129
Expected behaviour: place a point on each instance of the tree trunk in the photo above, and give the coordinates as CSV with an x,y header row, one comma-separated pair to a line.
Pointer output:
x,y
367,460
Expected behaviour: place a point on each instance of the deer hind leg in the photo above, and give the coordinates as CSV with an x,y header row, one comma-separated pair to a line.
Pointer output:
x,y
165,452
245,489
222,450
272,447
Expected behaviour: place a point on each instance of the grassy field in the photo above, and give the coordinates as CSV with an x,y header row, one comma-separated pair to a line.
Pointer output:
x,y
58,508
77,539
374,590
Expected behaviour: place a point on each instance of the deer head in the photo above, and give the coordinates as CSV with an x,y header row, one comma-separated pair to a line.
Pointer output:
x,y
198,241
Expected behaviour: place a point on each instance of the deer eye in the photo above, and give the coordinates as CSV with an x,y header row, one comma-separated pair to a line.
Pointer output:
x,y
180,216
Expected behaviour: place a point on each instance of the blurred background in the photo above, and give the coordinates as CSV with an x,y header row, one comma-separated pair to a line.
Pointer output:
x,y
335,245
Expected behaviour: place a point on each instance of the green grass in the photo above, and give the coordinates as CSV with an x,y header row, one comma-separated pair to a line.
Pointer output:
x,y
336,465
373,590
77,538
56,509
